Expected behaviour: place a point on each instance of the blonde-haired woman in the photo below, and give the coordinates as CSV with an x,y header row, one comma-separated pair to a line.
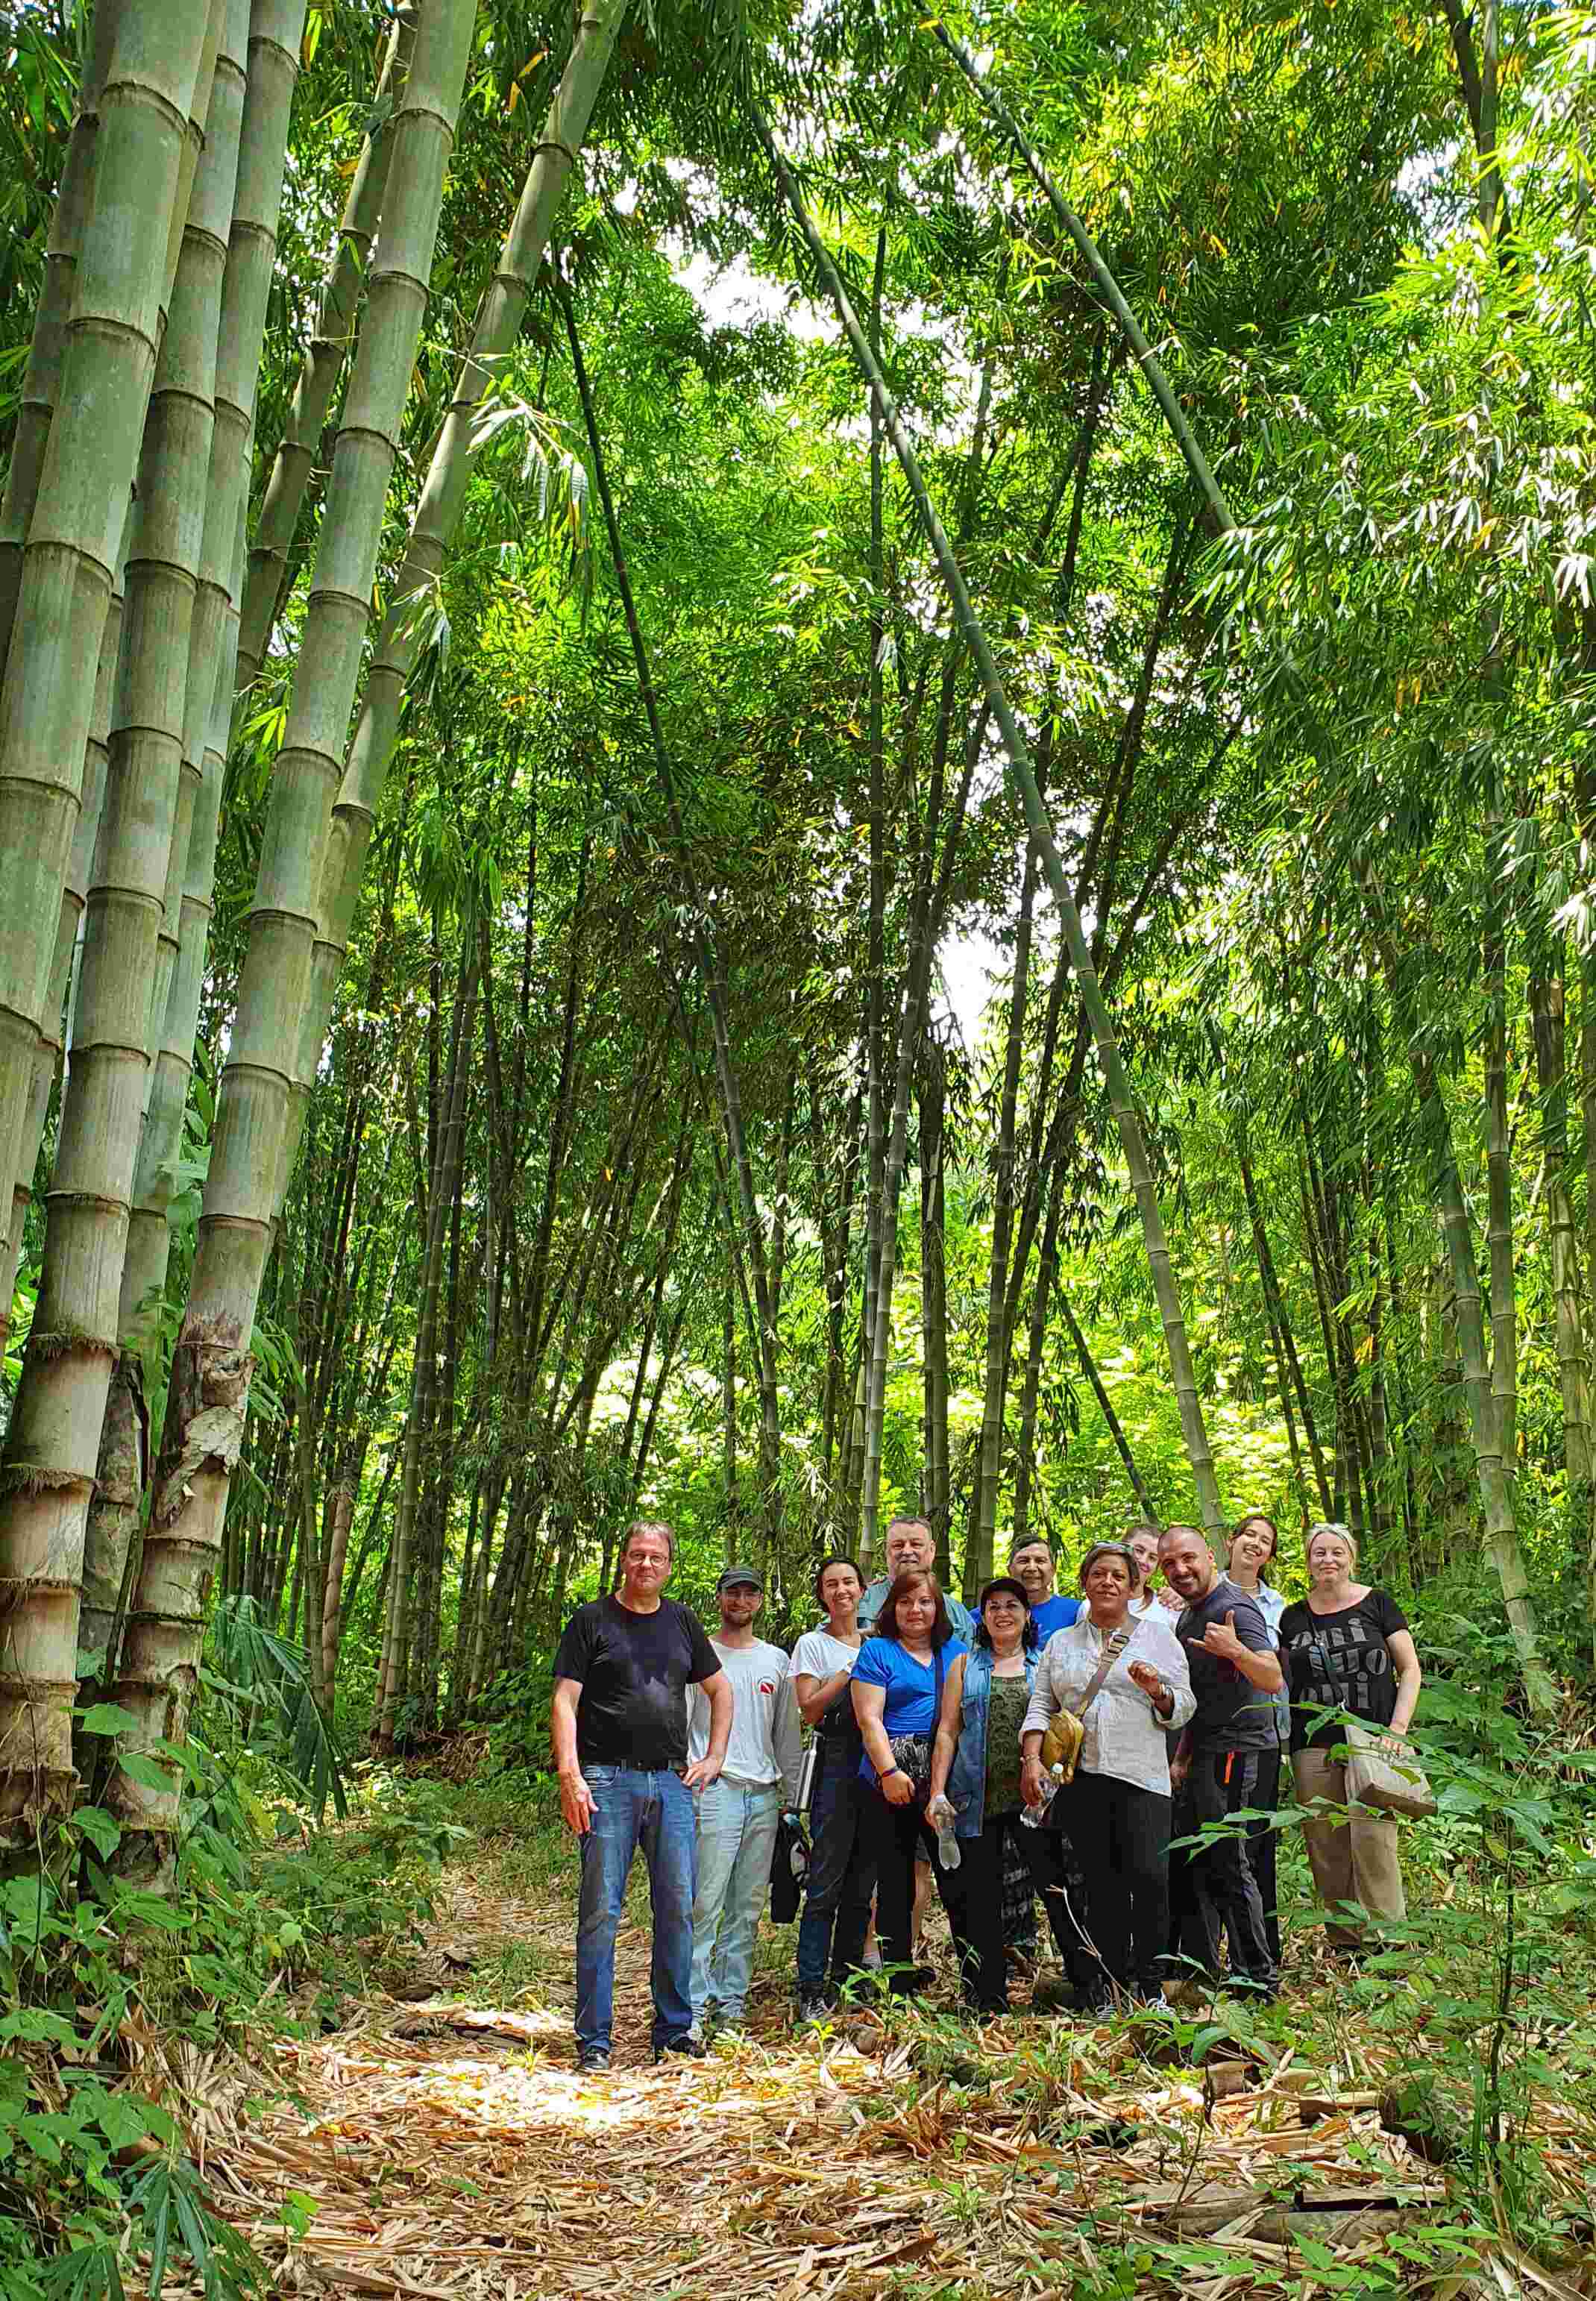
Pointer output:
x,y
1347,1645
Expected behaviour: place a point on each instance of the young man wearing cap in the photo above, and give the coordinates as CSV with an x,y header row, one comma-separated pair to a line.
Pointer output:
x,y
619,1729
738,1813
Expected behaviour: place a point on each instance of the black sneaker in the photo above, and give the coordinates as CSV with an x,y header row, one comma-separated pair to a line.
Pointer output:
x,y
594,2060
814,2005
685,2048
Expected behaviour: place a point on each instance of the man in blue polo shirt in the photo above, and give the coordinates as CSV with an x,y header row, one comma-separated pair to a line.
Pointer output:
x,y
1033,1564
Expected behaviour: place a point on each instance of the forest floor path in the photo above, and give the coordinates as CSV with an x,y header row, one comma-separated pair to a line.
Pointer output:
x,y
442,2142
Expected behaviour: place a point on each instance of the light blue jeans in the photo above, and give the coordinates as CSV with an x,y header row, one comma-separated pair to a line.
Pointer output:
x,y
736,1836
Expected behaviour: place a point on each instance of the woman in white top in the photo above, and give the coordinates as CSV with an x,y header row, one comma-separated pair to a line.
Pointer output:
x,y
841,1878
1116,1810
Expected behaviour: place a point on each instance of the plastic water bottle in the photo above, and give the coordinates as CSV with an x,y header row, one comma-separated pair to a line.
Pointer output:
x,y
1031,1817
948,1853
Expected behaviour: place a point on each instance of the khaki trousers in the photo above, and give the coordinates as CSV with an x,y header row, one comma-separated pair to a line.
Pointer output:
x,y
1353,1861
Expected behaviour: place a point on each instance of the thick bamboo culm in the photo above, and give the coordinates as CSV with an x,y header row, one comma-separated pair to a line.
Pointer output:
x,y
108,365
208,1398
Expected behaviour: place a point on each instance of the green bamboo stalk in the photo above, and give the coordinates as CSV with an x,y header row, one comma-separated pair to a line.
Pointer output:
x,y
1089,1368
424,1374
53,1443
1495,1481
499,322
1108,288
208,1398
275,28
46,1052
1164,1287
324,357
1498,1151
107,365
122,1472
42,380
710,974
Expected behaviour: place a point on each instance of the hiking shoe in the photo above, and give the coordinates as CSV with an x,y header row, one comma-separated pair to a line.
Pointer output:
x,y
686,2048
594,2060
814,2005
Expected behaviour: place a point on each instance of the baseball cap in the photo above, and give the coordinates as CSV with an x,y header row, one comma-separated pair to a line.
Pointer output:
x,y
734,1575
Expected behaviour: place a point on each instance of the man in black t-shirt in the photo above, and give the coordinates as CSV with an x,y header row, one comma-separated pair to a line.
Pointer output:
x,y
619,1728
1235,1675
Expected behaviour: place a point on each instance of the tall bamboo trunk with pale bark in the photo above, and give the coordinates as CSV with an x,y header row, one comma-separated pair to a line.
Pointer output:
x,y
208,1398
108,365
52,1444
273,27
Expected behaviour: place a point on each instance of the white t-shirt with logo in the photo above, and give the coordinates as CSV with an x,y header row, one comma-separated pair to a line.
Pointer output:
x,y
764,1746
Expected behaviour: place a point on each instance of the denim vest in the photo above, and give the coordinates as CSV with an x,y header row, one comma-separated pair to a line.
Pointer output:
x,y
967,1778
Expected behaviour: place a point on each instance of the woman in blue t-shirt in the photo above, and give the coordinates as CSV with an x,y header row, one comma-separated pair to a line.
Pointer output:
x,y
900,1688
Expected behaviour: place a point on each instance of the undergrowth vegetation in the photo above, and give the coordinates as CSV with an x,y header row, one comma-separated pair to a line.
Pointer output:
x,y
1473,2019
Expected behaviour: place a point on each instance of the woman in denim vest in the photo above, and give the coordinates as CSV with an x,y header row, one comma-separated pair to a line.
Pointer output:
x,y
975,1775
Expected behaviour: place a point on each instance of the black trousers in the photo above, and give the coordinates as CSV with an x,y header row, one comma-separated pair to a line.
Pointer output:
x,y
973,1896
1262,1841
1055,1872
1219,1890
895,1834
1121,1836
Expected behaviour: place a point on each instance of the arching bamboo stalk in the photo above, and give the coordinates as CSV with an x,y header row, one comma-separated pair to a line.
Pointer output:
x,y
1183,1371
399,642
1108,288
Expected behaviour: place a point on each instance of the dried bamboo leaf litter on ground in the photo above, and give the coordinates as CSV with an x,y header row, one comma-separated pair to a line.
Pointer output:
x,y
451,2146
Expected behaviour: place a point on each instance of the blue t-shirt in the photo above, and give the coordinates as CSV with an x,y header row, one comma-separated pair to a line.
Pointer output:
x,y
911,1687
1054,1613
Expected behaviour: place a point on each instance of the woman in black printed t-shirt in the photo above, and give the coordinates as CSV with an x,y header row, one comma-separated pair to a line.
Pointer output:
x,y
1349,1646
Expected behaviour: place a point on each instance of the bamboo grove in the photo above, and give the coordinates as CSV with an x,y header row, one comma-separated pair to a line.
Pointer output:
x,y
563,585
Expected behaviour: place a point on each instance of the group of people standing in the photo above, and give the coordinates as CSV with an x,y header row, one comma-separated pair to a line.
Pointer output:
x,y
929,1728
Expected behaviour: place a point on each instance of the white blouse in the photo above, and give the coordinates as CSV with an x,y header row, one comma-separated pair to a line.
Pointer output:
x,y
1124,1735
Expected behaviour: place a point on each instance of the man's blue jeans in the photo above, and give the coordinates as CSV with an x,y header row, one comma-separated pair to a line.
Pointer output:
x,y
842,1875
736,1836
654,1810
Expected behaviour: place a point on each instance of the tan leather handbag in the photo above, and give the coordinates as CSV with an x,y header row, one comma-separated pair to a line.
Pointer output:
x,y
1061,1744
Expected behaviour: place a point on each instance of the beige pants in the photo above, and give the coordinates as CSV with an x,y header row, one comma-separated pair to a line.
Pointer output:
x,y
1353,1861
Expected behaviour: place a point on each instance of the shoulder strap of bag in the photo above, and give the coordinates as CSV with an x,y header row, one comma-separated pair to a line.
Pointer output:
x,y
1112,1647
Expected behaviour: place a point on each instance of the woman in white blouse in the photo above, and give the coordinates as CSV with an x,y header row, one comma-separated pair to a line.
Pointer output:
x,y
1115,1812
